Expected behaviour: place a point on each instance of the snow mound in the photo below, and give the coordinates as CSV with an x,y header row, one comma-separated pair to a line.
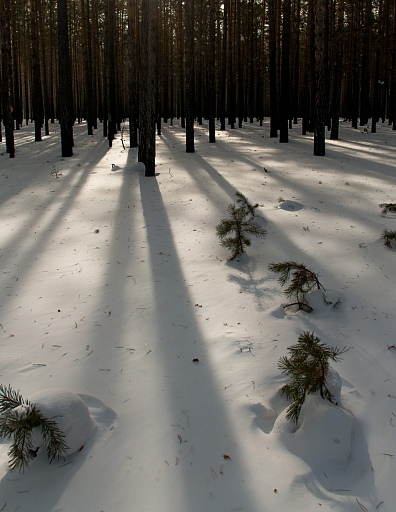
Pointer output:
x,y
323,435
71,414
290,206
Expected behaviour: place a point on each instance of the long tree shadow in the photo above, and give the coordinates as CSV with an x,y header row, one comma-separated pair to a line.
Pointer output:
x,y
192,393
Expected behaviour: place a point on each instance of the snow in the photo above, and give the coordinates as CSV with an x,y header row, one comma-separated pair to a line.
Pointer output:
x,y
71,414
117,297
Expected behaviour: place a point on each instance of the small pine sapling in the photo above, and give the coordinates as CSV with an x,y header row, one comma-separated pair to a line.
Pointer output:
x,y
234,233
302,282
308,366
389,238
387,207
18,418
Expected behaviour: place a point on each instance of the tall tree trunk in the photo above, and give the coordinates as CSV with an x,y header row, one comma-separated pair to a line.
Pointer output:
x,y
65,96
111,71
6,65
285,74
320,73
148,86
132,76
272,69
180,58
212,58
222,99
337,72
38,111
189,60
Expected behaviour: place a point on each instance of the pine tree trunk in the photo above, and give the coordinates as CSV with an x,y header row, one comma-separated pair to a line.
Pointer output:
x,y
337,73
189,60
111,71
148,86
132,76
272,69
285,74
320,73
65,97
212,56
6,90
38,111
223,82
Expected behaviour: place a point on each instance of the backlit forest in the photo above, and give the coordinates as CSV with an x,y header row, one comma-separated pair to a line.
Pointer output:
x,y
234,61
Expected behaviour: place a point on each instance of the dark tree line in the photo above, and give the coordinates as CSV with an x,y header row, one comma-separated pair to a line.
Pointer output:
x,y
154,61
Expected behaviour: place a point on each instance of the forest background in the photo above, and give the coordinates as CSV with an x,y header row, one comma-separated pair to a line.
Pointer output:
x,y
153,61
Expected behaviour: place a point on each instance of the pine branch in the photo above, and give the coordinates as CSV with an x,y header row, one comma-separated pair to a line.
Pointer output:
x,y
234,233
308,365
53,438
17,420
9,399
302,281
246,205
387,207
389,237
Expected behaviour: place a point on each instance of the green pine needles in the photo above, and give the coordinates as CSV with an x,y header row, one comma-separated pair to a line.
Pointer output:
x,y
302,282
235,233
18,417
308,365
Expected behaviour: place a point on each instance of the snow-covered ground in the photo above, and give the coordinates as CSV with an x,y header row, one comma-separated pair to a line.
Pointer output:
x,y
115,287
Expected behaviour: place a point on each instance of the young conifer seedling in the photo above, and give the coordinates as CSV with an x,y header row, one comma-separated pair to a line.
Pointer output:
x,y
389,238
234,233
308,366
18,418
302,282
387,207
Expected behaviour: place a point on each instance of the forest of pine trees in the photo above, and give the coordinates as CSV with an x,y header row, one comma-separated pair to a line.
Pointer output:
x,y
158,60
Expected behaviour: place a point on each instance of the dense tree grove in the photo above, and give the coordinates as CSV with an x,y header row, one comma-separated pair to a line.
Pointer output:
x,y
231,60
